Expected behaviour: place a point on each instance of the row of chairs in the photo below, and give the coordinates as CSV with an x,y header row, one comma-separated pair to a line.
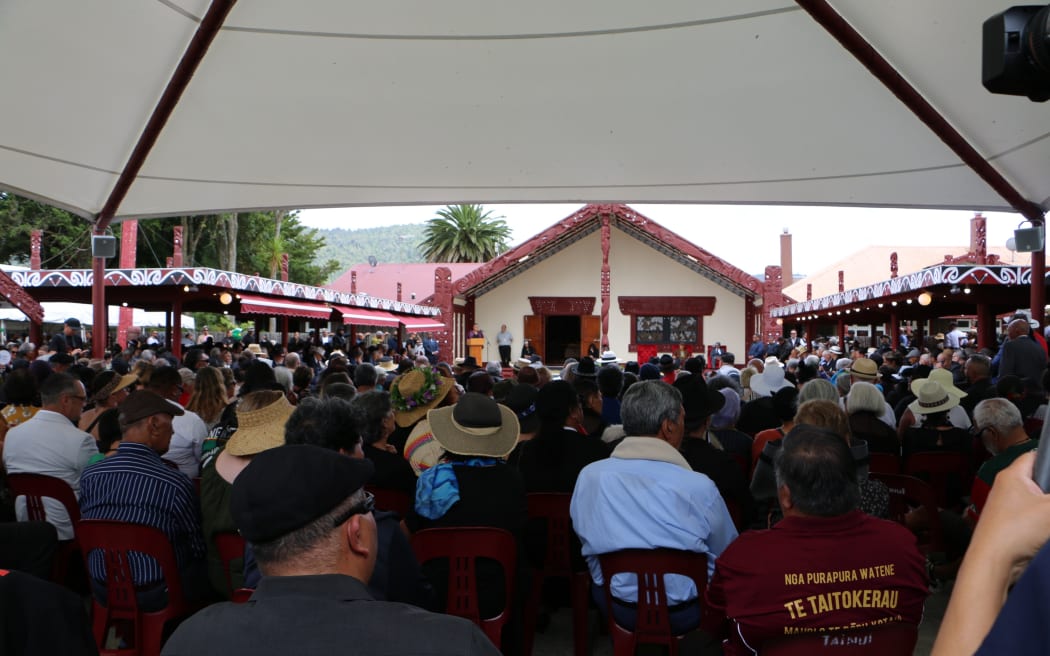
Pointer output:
x,y
143,632
935,467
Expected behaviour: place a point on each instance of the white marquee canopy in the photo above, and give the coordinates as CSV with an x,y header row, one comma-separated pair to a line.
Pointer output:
x,y
318,103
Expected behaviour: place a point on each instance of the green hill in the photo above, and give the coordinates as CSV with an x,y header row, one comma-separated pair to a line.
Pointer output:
x,y
398,243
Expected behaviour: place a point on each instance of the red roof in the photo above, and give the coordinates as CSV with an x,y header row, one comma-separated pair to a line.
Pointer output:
x,y
381,280
587,220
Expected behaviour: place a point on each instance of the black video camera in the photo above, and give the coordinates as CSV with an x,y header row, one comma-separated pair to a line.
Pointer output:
x,y
1016,52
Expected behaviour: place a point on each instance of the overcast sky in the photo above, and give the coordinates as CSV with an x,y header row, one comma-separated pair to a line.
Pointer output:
x,y
746,236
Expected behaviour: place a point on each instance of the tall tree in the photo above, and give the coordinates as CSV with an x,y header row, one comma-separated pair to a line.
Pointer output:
x,y
464,233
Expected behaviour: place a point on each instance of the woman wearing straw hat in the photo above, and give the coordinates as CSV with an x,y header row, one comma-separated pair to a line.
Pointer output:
x,y
261,417
108,389
412,395
472,485
936,432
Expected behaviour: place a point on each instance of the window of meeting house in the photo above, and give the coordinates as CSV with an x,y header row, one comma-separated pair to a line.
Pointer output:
x,y
651,329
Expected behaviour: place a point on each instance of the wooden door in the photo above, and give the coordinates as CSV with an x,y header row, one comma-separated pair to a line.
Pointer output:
x,y
534,333
590,331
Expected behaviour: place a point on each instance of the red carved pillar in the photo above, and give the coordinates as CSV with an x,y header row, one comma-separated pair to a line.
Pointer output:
x,y
179,247
986,326
398,291
895,329
979,238
443,302
772,297
129,232
353,282
842,281
284,267
606,281
893,264
809,291
35,238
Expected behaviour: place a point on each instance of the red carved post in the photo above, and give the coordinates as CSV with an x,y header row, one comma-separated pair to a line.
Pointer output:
x,y
169,262
129,233
35,238
893,264
842,281
353,282
179,253
772,297
399,291
809,291
284,267
443,302
979,237
606,281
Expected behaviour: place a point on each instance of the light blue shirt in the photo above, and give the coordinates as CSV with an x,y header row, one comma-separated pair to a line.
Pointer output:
x,y
621,503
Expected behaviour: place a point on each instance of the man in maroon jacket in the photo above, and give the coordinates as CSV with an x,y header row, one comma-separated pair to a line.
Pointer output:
x,y
826,566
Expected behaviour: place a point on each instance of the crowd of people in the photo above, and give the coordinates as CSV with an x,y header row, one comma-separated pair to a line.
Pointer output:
x,y
291,446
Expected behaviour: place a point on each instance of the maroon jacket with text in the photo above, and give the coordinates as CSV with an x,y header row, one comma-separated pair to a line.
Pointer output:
x,y
811,574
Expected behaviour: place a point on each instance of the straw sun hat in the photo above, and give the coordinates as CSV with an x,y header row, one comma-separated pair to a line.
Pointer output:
x,y
259,430
416,392
475,426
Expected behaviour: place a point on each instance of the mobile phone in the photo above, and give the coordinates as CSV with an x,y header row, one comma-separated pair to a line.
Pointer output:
x,y
1041,472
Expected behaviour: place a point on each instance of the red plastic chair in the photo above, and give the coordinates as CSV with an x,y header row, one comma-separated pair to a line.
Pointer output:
x,y
653,623
390,499
937,467
116,540
462,547
230,545
907,493
884,463
884,640
557,563
35,488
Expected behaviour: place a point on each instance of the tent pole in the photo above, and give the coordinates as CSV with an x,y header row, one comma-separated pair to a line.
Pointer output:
x,y
1038,282
100,320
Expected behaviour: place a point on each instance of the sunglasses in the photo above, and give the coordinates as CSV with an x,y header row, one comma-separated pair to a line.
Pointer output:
x,y
363,508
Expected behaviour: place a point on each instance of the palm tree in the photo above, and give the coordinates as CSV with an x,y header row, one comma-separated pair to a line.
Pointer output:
x,y
464,233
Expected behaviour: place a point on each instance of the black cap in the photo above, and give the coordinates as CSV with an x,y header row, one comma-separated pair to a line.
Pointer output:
x,y
72,322
286,488
144,403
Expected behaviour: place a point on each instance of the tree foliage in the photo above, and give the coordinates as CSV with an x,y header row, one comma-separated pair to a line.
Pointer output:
x,y
246,242
66,242
464,233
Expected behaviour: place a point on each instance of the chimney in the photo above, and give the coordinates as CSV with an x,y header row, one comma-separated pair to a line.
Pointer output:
x,y
786,273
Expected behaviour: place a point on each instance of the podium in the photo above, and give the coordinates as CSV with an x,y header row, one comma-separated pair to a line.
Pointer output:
x,y
476,350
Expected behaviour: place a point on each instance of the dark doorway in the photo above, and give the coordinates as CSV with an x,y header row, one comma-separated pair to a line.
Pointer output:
x,y
563,338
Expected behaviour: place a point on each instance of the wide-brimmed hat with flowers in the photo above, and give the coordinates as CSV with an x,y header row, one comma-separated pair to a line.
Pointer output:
x,y
414,393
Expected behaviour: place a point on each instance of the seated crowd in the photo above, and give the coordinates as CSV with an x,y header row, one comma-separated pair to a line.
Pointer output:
x,y
327,455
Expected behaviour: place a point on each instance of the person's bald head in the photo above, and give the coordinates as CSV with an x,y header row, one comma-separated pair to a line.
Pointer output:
x,y
1016,328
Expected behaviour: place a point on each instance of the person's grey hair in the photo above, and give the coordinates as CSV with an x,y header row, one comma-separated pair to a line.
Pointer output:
x,y
812,360
26,348
284,377
493,369
365,375
148,355
293,546
722,381
292,360
815,389
1000,414
370,409
792,363
864,397
842,383
647,404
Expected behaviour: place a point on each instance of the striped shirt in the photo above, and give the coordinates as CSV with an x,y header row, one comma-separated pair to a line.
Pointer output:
x,y
135,486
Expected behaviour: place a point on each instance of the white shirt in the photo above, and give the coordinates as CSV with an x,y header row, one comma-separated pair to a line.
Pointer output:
x,y
51,445
190,431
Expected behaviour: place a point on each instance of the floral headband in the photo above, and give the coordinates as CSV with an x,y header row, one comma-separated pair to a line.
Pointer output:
x,y
426,394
